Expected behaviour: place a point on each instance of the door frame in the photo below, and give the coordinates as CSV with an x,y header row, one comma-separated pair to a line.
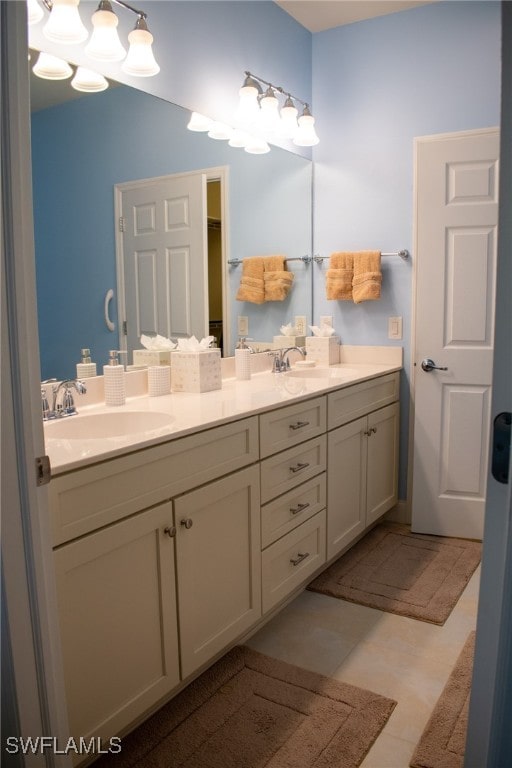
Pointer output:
x,y
216,173
418,140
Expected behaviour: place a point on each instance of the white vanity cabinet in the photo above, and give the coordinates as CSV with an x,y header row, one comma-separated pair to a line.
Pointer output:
x,y
117,609
362,465
293,496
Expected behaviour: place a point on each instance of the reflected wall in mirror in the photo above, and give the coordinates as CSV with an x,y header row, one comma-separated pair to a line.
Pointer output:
x,y
81,149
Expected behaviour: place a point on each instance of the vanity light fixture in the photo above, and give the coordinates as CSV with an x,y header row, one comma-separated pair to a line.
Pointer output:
x,y
64,25
199,122
34,11
259,109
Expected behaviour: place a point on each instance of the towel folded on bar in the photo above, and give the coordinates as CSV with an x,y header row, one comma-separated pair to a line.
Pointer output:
x,y
277,279
367,279
338,278
252,286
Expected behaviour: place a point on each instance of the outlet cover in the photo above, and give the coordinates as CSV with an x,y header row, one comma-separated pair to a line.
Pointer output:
x,y
243,325
300,324
394,327
326,320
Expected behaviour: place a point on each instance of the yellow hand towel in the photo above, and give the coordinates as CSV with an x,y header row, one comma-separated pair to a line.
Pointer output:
x,y
338,278
277,279
252,287
367,278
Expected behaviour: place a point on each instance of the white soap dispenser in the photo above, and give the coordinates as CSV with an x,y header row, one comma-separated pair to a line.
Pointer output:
x,y
242,360
113,380
86,368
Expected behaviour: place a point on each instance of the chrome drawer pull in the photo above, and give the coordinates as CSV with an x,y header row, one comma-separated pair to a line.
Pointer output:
x,y
299,508
299,466
300,557
299,424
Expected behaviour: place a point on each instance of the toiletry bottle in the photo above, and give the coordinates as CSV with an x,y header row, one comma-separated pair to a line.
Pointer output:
x,y
113,379
86,368
242,360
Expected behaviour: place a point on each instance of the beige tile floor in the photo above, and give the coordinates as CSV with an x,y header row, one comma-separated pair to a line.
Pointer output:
x,y
404,659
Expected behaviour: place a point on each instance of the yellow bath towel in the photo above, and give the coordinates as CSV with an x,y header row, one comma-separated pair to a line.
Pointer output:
x,y
252,287
367,279
338,278
277,280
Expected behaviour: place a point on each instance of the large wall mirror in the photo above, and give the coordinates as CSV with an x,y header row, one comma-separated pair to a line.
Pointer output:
x,y
83,148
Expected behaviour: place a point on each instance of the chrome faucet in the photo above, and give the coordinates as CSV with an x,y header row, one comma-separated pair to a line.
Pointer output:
x,y
281,362
66,406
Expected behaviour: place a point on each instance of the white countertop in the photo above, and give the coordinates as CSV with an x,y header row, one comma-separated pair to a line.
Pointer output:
x,y
189,413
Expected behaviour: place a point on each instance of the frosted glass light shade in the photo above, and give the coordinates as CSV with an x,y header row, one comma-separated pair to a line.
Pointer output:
x,y
268,120
105,44
35,12
64,24
199,122
257,146
306,135
239,139
87,81
51,67
220,131
140,61
248,107
288,125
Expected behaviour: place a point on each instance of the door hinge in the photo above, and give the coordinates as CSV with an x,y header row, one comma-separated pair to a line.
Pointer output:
x,y
43,470
125,328
121,223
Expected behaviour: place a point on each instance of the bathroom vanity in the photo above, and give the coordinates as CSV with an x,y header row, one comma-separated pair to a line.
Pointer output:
x,y
173,545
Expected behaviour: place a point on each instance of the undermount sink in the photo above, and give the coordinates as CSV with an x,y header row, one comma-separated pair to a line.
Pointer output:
x,y
102,425
320,373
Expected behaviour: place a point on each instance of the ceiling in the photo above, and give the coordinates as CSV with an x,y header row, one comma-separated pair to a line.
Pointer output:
x,y
318,15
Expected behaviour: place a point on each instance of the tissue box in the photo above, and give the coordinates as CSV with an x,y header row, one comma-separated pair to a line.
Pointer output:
x,y
325,350
289,341
151,357
196,371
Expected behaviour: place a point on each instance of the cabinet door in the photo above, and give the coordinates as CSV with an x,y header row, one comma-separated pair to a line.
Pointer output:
x,y
382,480
218,565
117,611
346,485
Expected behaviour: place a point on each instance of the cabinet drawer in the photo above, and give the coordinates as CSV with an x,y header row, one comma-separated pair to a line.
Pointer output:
x,y
287,563
349,403
283,472
291,425
282,515
90,498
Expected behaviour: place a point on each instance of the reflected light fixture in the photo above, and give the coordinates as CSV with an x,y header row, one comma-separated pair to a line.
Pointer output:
x,y
51,67
64,25
199,122
260,110
87,81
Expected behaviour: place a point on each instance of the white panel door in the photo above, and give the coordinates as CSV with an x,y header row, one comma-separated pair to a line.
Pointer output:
x,y
164,254
457,213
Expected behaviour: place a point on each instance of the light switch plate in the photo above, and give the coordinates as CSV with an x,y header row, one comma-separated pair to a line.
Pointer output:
x,y
243,325
326,320
394,327
300,324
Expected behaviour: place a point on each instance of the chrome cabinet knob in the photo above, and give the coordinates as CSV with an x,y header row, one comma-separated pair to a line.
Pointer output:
x,y
187,523
170,531
428,365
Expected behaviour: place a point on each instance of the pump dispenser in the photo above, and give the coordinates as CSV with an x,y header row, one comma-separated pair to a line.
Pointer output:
x,y
113,379
242,360
86,368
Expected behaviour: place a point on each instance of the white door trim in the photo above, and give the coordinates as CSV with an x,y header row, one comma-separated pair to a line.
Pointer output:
x,y
216,173
413,371
35,675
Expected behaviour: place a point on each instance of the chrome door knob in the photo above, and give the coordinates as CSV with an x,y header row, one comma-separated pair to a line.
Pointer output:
x,y
428,365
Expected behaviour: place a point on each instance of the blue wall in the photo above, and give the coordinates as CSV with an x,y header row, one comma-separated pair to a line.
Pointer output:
x,y
376,85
